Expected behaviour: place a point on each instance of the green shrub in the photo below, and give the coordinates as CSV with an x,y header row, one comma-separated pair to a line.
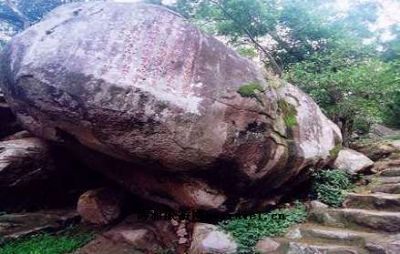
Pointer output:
x,y
47,244
250,89
248,230
330,186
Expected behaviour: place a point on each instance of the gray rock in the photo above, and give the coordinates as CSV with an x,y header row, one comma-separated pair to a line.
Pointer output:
x,y
352,161
381,131
140,84
267,246
208,239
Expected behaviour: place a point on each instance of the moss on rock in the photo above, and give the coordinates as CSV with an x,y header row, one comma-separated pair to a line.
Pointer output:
x,y
289,113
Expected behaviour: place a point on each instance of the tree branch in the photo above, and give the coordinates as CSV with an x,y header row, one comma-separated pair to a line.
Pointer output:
x,y
19,15
277,70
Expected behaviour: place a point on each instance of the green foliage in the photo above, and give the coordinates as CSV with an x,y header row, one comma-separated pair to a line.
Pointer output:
x,y
321,48
349,90
334,152
330,186
289,113
250,89
248,230
48,244
248,52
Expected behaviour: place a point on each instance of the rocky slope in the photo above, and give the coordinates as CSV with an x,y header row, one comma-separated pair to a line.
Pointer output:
x,y
196,125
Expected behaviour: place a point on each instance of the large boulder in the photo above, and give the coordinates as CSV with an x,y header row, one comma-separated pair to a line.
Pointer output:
x,y
200,126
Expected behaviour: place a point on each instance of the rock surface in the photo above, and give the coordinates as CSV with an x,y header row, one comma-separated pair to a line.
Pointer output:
x,y
378,149
8,122
24,161
133,237
146,87
100,206
352,161
208,239
13,226
381,131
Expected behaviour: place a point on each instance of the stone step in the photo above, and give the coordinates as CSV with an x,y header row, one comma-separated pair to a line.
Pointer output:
x,y
368,220
393,188
321,234
391,172
385,179
373,201
305,248
301,246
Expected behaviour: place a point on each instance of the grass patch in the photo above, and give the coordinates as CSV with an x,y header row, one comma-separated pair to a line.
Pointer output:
x,y
248,230
250,90
66,242
289,113
330,186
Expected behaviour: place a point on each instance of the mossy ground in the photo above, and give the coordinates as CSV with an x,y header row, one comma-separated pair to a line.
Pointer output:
x,y
66,242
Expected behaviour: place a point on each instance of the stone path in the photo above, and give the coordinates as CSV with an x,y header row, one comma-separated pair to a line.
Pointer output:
x,y
369,223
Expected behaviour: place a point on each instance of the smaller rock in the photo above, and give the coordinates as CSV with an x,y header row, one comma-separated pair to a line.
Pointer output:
x,y
317,205
208,239
352,162
181,232
267,246
133,236
381,131
14,226
100,206
294,234
19,135
24,161
174,222
182,240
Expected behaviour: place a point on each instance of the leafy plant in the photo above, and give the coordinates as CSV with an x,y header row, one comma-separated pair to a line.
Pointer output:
x,y
248,230
330,186
250,89
47,243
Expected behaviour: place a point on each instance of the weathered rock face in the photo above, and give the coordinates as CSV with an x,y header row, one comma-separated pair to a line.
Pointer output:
x,y
140,84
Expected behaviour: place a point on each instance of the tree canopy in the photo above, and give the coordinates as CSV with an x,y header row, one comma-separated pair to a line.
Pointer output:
x,y
330,53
